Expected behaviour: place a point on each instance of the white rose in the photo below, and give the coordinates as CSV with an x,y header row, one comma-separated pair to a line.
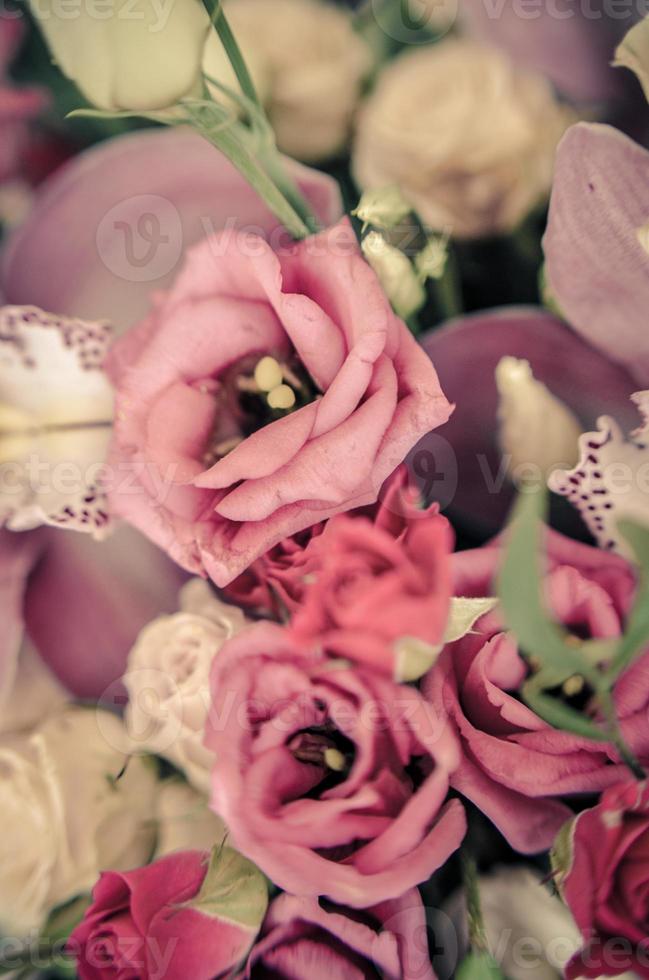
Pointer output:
x,y
142,56
30,692
308,65
167,679
185,821
469,138
66,815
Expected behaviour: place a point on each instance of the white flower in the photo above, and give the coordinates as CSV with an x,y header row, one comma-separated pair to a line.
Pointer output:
x,y
185,821
56,410
530,932
610,480
30,692
536,427
469,138
72,805
633,53
138,55
167,679
308,66
396,274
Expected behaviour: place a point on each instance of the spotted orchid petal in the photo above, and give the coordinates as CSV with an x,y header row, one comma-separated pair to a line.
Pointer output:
x,y
461,464
596,245
55,421
611,479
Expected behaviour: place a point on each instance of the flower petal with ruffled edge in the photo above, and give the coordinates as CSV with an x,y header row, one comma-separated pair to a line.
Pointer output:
x,y
596,263
56,409
611,479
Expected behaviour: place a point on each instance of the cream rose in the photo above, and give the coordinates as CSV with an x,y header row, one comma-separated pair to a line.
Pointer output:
x,y
469,138
167,679
308,65
143,55
66,815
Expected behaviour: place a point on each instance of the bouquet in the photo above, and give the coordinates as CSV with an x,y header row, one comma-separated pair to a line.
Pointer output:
x,y
324,509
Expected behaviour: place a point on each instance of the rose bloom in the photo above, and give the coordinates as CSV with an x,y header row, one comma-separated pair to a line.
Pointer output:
x,y
142,924
308,64
469,138
281,580
606,884
374,585
302,939
66,815
332,780
515,765
167,679
265,393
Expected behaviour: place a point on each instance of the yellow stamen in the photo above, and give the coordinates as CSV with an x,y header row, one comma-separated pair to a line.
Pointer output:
x,y
334,759
574,685
281,397
268,374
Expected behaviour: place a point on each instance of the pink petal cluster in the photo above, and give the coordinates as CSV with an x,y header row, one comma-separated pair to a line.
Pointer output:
x,y
237,300
137,926
303,939
606,884
360,829
514,765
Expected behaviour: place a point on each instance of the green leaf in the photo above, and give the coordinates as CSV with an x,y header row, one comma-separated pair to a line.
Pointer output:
x,y
232,49
561,853
636,635
561,715
520,588
479,966
234,889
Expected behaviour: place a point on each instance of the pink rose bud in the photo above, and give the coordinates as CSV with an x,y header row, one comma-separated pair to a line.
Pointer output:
x,y
183,916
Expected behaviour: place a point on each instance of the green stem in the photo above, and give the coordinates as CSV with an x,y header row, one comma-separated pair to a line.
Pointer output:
x,y
275,168
232,49
628,758
477,934
447,291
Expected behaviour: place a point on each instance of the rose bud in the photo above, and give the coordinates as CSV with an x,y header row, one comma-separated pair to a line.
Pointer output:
x,y
183,916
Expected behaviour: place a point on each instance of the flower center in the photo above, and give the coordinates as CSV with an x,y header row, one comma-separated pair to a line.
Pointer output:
x,y
253,393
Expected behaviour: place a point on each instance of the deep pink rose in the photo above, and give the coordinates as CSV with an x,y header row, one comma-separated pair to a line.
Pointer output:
x,y
514,765
276,582
17,105
205,467
372,584
607,884
303,939
332,780
138,926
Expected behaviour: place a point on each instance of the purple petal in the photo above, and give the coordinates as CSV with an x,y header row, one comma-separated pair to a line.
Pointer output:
x,y
112,226
573,51
596,266
87,601
465,354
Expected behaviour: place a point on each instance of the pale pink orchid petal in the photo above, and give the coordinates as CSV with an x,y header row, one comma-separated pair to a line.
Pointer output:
x,y
131,207
610,480
597,261
56,408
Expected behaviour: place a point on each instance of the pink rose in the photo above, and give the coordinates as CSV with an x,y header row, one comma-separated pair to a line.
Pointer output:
x,y
372,584
139,925
514,765
303,939
205,465
276,582
332,780
607,884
